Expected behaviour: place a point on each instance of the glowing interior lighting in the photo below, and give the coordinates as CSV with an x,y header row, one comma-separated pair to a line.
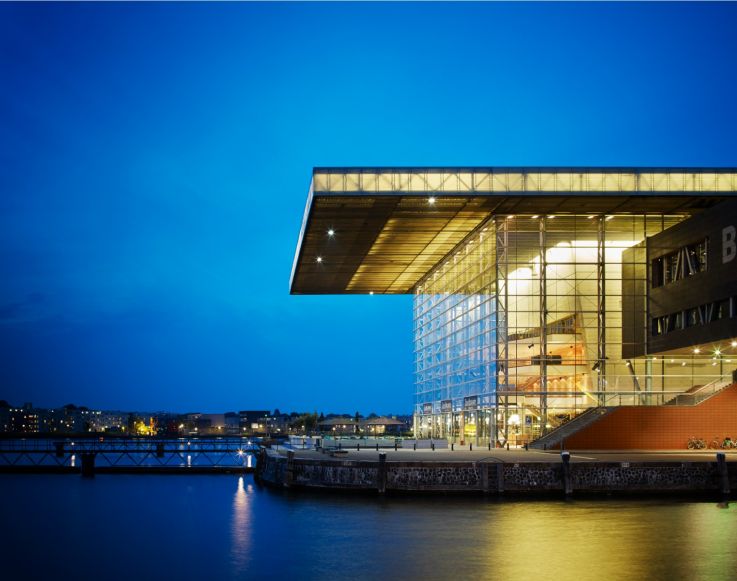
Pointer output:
x,y
697,350
608,218
331,232
508,218
371,292
551,216
683,364
535,217
717,352
318,259
591,217
734,343
431,200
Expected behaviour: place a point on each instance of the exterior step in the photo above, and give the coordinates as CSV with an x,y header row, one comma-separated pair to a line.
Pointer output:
x,y
559,434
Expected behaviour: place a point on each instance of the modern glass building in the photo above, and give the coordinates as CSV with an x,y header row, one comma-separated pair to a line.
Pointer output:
x,y
538,293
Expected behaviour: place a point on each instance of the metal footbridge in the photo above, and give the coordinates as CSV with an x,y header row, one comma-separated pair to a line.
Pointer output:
x,y
128,455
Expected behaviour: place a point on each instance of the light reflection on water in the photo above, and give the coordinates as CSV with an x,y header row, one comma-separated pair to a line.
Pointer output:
x,y
227,527
241,526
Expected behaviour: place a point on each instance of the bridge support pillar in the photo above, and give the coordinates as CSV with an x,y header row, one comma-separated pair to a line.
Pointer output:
x,y
88,464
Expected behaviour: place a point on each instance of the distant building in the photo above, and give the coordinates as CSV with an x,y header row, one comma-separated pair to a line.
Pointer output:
x,y
254,422
232,423
339,426
4,416
23,420
383,426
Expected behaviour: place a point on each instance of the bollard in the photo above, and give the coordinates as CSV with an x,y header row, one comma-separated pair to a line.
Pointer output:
x,y
507,446
452,447
88,464
160,450
432,445
470,447
395,445
527,447
723,474
414,446
377,446
567,485
358,447
339,445
489,445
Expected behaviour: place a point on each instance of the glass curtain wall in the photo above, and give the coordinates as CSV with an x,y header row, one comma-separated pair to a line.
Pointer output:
x,y
455,340
521,328
560,281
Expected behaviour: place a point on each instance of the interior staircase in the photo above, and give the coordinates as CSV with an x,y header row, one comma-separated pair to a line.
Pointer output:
x,y
700,393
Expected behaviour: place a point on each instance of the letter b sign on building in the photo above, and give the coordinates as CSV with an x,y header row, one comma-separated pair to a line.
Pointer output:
x,y
729,245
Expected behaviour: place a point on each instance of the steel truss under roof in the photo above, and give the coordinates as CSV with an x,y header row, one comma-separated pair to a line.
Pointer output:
x,y
380,230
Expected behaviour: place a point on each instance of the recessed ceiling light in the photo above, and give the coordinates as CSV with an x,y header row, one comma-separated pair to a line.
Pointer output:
x,y
697,350
591,217
431,200
331,232
608,218
535,217
318,259
734,343
551,216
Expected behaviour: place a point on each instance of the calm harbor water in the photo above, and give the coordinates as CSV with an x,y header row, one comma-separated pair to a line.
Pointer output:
x,y
187,527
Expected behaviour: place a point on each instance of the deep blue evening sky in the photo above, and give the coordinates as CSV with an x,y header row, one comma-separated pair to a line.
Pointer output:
x,y
155,161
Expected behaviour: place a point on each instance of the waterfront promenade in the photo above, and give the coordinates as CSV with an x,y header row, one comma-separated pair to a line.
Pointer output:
x,y
516,455
516,471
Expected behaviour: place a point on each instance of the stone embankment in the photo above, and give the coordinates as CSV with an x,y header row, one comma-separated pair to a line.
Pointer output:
x,y
556,475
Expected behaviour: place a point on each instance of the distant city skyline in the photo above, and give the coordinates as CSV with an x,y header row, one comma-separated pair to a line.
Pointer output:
x,y
156,159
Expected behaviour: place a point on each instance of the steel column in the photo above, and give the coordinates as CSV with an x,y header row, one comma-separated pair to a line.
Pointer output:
x,y
601,306
543,306
502,338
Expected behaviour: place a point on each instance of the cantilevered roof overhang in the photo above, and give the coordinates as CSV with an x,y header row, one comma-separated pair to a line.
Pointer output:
x,y
380,230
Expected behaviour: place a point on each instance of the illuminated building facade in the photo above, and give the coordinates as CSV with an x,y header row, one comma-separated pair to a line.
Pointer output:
x,y
538,293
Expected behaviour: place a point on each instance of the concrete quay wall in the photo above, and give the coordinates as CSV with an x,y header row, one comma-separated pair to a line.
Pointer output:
x,y
496,477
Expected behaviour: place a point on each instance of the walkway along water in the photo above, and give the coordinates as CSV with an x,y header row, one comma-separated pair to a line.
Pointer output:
x,y
501,471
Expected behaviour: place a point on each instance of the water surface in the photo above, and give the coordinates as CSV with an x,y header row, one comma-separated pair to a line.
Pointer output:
x,y
209,527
